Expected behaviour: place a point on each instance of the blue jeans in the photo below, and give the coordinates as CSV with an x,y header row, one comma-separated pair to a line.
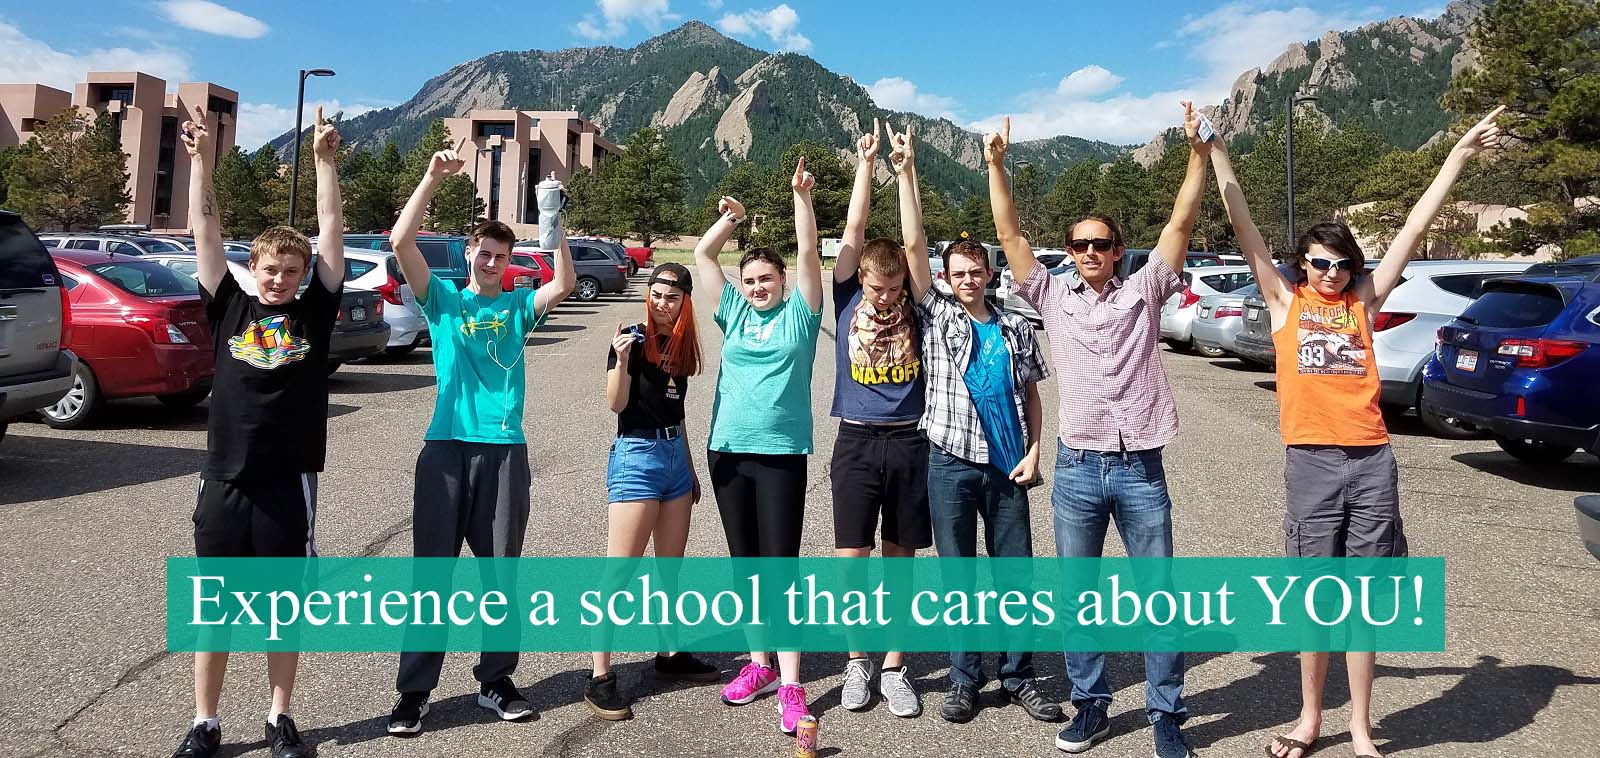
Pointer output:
x,y
959,492
1091,489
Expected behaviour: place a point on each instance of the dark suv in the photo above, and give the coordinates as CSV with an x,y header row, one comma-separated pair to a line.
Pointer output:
x,y
35,370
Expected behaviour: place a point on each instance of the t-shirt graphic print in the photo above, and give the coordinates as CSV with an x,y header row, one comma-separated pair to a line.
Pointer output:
x,y
1330,340
268,344
877,358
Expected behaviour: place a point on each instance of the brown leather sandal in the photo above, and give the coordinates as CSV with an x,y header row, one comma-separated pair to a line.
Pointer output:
x,y
1291,743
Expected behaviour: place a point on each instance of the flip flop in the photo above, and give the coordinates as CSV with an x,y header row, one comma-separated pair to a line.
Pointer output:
x,y
1293,744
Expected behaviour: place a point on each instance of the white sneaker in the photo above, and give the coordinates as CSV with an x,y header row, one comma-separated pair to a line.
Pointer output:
x,y
857,692
899,694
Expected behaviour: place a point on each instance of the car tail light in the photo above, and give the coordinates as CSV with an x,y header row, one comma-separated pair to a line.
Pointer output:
x,y
1224,311
525,282
1189,298
66,317
1522,406
1390,320
623,268
377,309
161,331
390,291
1539,353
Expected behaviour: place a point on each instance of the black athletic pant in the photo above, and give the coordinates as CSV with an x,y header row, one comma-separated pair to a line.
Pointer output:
x,y
762,499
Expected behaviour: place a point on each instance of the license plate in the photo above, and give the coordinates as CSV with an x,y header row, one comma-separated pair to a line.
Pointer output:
x,y
1467,360
358,313
1204,311
1252,313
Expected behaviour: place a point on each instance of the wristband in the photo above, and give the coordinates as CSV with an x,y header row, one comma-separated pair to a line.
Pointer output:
x,y
735,219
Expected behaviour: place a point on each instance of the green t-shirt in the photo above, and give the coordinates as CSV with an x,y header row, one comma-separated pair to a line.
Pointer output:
x,y
763,402
477,357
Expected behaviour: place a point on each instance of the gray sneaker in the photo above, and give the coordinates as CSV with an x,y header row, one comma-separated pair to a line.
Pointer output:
x,y
857,684
898,692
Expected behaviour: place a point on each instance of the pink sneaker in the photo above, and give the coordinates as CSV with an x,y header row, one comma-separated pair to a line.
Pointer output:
x,y
753,681
791,707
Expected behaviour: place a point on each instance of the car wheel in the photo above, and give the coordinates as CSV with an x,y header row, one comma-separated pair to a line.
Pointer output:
x,y
181,400
1534,451
588,288
633,269
398,351
1209,352
1441,424
80,404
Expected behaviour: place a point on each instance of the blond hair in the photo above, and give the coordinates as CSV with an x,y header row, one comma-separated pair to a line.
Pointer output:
x,y
281,241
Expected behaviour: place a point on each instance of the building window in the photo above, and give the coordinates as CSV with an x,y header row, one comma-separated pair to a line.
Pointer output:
x,y
165,158
530,194
109,92
504,129
218,105
496,159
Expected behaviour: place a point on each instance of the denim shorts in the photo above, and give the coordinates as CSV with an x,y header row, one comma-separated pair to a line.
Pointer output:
x,y
648,469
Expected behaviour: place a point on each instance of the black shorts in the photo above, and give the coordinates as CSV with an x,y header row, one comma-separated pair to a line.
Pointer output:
x,y
262,518
879,469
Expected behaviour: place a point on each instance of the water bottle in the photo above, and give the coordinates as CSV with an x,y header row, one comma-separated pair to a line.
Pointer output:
x,y
551,200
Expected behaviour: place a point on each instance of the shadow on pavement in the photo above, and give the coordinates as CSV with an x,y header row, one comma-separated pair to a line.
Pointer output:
x,y
369,382
52,468
1270,385
1241,365
1579,473
541,341
560,328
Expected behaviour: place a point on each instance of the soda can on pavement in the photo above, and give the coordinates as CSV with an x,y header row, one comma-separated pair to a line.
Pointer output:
x,y
805,738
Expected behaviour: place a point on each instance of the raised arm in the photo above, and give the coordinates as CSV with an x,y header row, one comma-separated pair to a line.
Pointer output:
x,y
710,245
1275,290
912,233
1480,137
1174,242
204,217
562,284
855,224
808,261
1019,255
330,207
404,236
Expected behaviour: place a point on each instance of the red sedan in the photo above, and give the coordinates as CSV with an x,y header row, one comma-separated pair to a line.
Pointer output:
x,y
535,261
138,328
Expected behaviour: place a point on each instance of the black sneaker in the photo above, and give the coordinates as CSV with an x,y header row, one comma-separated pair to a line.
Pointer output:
x,y
602,695
502,697
1088,727
284,739
1028,696
960,703
200,742
684,667
406,718
1169,738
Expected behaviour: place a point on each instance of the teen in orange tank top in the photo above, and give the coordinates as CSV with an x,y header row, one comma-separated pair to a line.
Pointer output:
x,y
1327,377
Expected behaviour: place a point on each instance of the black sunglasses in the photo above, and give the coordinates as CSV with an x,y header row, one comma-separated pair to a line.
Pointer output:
x,y
1323,264
1101,244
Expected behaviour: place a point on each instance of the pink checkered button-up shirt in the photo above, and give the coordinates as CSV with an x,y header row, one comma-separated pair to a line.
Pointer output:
x,y
1114,391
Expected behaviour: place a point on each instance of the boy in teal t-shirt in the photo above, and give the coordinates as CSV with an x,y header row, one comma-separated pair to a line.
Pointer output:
x,y
472,477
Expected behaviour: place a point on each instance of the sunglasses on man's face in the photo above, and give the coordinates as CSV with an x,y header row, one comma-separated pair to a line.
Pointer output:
x,y
1323,264
1101,244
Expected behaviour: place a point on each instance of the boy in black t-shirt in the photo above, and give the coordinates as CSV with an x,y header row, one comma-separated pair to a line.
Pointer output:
x,y
268,426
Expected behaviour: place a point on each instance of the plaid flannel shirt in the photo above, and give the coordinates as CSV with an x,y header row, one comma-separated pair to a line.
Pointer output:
x,y
950,419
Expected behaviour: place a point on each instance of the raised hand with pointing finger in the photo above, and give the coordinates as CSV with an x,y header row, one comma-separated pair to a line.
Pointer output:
x,y
803,180
447,162
996,143
867,146
325,139
1484,135
195,137
901,153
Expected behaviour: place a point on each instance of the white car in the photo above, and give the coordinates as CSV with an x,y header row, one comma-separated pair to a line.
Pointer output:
x,y
1177,313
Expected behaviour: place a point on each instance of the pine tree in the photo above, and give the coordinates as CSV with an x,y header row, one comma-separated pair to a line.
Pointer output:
x,y
1070,199
587,210
7,156
830,198
644,189
746,182
371,197
241,196
975,219
455,205
72,173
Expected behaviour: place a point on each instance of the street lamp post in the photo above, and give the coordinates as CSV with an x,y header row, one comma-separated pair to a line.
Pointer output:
x,y
1289,103
299,114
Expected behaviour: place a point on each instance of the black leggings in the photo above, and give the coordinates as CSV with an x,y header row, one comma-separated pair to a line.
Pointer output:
x,y
762,499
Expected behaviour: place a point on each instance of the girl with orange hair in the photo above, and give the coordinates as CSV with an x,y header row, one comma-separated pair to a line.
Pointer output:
x,y
650,478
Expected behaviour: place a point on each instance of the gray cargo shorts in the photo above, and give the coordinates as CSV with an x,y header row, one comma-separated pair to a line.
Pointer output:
x,y
1343,502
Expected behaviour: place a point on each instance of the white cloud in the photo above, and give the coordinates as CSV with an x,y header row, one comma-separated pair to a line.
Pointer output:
x,y
616,15
778,24
26,60
203,16
898,94
260,123
1219,45
715,5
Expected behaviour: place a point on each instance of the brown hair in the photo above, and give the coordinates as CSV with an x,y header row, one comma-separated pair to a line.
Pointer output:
x,y
762,254
495,230
682,357
883,256
1116,231
969,249
281,241
1335,236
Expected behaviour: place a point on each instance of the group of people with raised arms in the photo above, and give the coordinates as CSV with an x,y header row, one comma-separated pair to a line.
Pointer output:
x,y
937,396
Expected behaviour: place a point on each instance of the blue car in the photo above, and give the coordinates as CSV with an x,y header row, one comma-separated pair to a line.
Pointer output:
x,y
1523,362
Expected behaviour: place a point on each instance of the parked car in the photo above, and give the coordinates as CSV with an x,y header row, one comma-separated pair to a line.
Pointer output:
x,y
539,262
36,366
1218,320
127,244
640,258
1134,259
379,271
1254,342
1589,522
1177,313
139,329
618,251
599,269
1006,294
1522,363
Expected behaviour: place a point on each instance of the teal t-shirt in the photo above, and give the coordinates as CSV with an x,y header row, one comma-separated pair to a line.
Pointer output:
x,y
988,379
763,401
477,357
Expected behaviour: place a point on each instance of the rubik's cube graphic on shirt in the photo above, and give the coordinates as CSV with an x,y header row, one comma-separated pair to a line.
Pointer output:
x,y
267,344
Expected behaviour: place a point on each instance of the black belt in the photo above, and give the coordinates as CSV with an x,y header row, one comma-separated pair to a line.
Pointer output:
x,y
664,433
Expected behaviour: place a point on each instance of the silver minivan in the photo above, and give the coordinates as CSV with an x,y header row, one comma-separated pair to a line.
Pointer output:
x,y
35,366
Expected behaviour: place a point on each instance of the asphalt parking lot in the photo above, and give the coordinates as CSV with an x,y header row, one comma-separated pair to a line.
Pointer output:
x,y
87,517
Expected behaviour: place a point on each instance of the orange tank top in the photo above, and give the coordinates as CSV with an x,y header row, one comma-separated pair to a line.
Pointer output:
x,y
1327,376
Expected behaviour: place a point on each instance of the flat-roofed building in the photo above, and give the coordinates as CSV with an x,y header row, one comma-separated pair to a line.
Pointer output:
x,y
508,152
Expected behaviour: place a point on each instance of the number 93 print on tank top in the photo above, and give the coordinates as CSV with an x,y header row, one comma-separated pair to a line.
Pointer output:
x,y
1331,340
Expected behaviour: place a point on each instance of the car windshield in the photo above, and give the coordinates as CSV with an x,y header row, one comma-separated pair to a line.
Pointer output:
x,y
161,246
1515,307
145,278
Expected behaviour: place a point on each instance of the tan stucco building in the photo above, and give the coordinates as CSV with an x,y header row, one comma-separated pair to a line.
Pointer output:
x,y
509,152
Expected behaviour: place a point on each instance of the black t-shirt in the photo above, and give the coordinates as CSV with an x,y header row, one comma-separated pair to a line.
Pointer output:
x,y
269,396
655,399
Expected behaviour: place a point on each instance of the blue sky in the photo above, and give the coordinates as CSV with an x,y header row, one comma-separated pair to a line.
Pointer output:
x,y
1103,70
